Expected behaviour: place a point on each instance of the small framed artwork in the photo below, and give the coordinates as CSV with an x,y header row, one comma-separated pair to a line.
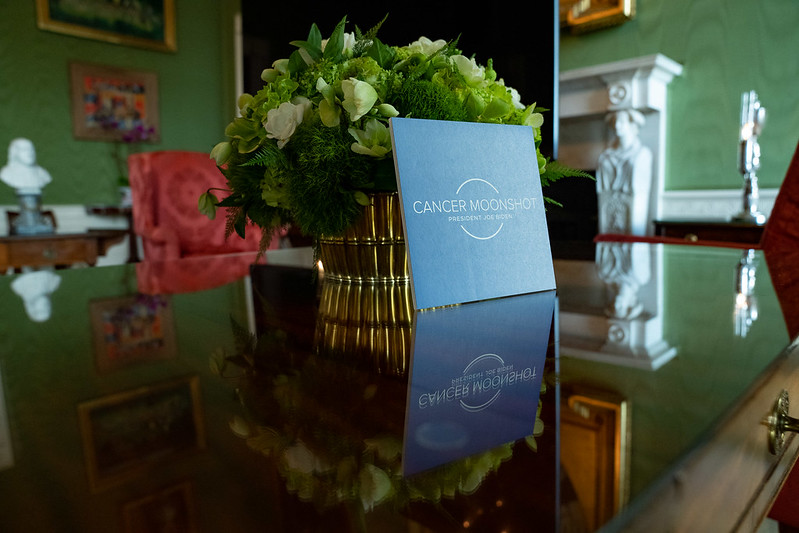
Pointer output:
x,y
127,433
130,330
145,23
582,16
170,509
110,103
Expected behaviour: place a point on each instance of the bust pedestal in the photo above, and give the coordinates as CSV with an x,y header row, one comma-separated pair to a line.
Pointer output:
x,y
30,220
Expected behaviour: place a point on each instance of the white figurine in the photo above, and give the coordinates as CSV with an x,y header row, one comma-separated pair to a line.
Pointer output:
x,y
22,173
624,178
35,289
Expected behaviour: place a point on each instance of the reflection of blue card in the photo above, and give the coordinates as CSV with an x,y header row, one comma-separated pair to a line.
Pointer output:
x,y
475,377
473,211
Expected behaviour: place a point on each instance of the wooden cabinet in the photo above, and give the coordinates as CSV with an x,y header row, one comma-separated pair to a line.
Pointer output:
x,y
710,230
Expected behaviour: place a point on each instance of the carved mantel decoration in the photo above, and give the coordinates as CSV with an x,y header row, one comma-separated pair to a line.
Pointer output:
x,y
590,96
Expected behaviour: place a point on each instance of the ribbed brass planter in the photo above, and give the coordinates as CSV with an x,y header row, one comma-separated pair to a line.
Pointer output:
x,y
365,308
372,250
369,322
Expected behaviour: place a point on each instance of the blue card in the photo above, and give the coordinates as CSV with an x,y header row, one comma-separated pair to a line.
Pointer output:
x,y
475,377
473,210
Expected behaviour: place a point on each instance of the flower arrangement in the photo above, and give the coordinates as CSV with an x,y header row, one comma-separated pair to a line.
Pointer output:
x,y
309,146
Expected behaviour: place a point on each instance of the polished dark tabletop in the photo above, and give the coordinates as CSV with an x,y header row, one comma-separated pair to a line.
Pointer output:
x,y
210,395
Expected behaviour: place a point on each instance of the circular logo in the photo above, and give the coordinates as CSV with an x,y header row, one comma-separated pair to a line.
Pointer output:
x,y
487,360
481,232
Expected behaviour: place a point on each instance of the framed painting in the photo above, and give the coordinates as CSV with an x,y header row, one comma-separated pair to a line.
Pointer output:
x,y
110,103
170,509
145,23
127,433
130,330
582,16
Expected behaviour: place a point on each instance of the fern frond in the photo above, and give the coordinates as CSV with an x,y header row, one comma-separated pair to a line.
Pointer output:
x,y
555,171
266,156
364,40
231,216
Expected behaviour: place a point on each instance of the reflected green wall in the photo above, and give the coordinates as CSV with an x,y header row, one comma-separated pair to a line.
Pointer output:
x,y
48,369
196,93
726,47
671,408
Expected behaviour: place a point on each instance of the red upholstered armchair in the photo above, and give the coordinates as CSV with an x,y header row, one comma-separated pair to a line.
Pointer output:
x,y
166,186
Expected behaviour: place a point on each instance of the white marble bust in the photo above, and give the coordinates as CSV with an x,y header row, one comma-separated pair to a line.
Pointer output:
x,y
21,172
35,289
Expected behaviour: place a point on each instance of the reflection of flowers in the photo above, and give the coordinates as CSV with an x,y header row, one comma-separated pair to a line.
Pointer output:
x,y
334,430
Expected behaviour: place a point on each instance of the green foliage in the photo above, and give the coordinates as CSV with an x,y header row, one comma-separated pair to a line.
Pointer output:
x,y
327,175
425,99
555,171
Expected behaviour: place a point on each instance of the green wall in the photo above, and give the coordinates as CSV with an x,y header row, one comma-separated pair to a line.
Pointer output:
x,y
726,47
196,93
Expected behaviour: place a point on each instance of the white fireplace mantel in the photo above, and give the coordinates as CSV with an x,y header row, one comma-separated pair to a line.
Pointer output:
x,y
639,83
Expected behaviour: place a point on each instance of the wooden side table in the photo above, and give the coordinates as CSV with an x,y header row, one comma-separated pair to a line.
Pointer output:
x,y
58,249
710,230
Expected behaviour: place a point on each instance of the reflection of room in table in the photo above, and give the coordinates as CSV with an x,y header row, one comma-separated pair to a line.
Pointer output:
x,y
60,250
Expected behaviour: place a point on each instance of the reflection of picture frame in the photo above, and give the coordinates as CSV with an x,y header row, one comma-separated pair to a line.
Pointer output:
x,y
581,16
170,509
595,451
126,433
130,330
145,23
108,102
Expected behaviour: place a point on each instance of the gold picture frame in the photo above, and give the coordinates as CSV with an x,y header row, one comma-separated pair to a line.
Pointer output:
x,y
109,102
169,509
149,25
127,433
595,451
582,16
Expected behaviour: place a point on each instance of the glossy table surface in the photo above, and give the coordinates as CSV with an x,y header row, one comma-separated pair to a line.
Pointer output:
x,y
198,396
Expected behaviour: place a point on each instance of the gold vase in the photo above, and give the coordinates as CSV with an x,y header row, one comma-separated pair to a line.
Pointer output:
x,y
372,250
365,309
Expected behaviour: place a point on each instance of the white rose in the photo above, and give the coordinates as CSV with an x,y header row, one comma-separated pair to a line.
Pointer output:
x,y
426,46
474,73
282,121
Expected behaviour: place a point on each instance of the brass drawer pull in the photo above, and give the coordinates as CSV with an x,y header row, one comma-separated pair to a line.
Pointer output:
x,y
779,423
